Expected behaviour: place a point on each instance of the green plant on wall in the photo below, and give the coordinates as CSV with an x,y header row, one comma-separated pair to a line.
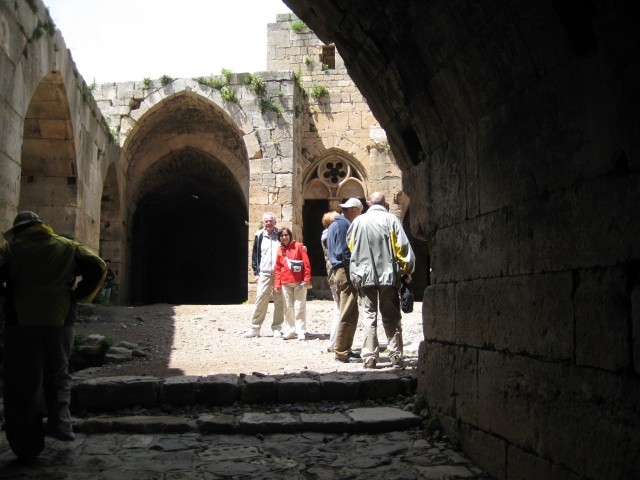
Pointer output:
x,y
308,61
216,82
165,80
298,26
270,105
227,75
319,90
325,67
297,79
146,83
228,94
255,83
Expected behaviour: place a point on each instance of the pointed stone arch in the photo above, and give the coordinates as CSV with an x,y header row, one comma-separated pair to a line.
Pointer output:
x,y
186,172
48,180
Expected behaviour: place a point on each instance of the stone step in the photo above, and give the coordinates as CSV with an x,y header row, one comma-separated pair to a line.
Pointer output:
x,y
356,420
114,393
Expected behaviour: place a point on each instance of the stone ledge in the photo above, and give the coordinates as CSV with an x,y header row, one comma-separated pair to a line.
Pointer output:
x,y
113,393
357,420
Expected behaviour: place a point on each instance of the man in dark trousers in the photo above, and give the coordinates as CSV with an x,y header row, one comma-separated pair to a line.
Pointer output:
x,y
40,270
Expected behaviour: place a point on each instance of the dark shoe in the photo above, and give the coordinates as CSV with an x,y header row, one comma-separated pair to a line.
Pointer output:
x,y
397,361
370,363
350,357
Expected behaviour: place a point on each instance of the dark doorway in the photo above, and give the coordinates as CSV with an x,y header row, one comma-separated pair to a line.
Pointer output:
x,y
189,244
311,231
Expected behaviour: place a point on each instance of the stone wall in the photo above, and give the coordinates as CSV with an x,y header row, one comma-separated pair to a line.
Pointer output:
x,y
54,146
515,126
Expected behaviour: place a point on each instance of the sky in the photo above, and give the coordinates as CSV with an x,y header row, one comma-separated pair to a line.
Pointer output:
x,y
126,40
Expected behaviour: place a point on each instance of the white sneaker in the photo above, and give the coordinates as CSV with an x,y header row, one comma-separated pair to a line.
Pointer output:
x,y
277,334
289,336
301,336
252,333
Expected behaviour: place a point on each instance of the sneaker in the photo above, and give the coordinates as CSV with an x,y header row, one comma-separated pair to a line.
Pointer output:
x,y
397,361
370,363
252,333
302,336
277,334
289,336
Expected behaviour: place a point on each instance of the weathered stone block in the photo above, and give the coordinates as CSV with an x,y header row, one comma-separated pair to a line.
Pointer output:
x,y
532,314
117,392
216,423
339,387
474,249
220,389
379,385
436,376
438,319
254,389
487,451
179,390
254,422
602,312
381,419
325,422
291,390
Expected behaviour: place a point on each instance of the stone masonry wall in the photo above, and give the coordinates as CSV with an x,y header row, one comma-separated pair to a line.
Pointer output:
x,y
516,128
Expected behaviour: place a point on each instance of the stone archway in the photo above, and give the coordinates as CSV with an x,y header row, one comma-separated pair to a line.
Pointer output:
x,y
48,181
186,233
186,205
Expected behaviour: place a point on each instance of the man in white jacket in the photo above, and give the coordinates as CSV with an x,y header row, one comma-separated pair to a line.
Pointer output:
x,y
380,256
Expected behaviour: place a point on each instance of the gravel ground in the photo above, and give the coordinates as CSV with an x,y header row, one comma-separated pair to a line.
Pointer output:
x,y
209,339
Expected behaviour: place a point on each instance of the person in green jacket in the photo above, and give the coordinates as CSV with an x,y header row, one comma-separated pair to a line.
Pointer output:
x,y
40,271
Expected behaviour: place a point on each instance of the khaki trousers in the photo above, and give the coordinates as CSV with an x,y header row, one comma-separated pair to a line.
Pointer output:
x,y
348,313
263,295
387,298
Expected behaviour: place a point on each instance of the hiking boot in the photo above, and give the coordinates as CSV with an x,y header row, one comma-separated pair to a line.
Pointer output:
x,y
397,361
370,363
252,333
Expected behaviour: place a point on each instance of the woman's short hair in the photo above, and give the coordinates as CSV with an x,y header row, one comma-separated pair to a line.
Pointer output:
x,y
328,218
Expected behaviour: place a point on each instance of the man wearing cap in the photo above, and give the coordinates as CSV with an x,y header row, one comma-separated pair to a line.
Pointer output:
x,y
40,270
339,257
380,256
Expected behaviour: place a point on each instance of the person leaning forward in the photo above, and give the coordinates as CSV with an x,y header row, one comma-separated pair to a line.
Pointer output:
x,y
339,258
40,270
263,259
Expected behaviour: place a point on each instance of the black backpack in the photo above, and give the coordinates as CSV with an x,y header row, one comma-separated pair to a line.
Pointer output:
x,y
406,298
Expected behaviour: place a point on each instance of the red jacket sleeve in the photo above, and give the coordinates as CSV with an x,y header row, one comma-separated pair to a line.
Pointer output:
x,y
307,265
277,270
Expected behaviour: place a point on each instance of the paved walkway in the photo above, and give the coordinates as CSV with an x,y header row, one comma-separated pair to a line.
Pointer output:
x,y
149,448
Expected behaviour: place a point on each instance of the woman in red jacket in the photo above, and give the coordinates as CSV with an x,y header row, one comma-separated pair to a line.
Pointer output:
x,y
293,276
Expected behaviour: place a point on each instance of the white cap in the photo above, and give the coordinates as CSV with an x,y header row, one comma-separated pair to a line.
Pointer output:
x,y
352,203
